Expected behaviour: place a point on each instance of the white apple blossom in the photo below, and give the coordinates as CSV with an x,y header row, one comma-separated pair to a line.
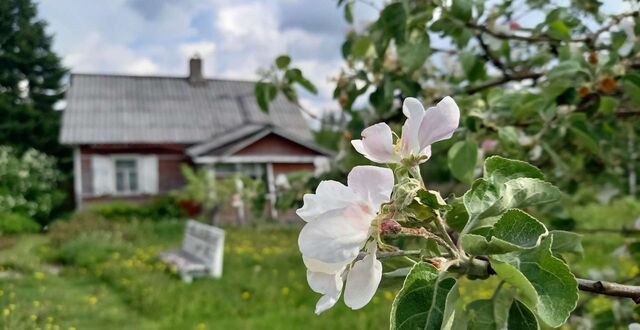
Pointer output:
x,y
628,26
340,222
421,129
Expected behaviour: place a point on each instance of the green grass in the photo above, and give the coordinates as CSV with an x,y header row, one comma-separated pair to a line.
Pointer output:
x,y
90,273
110,278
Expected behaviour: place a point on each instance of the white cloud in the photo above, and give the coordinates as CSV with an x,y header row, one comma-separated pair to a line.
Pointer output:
x,y
94,54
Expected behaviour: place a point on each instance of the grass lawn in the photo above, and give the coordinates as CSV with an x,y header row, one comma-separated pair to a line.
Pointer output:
x,y
97,274
108,277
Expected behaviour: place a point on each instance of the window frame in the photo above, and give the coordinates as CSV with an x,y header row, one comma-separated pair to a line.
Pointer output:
x,y
128,191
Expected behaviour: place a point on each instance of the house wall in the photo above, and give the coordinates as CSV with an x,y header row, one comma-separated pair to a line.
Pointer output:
x,y
283,168
170,158
273,144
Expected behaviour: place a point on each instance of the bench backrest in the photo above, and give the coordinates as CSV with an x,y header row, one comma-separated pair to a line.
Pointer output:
x,y
206,243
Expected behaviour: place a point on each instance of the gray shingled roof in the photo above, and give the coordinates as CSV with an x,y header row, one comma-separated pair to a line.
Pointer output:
x,y
134,109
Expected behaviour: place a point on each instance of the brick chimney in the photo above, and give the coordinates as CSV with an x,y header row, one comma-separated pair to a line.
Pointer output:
x,y
195,71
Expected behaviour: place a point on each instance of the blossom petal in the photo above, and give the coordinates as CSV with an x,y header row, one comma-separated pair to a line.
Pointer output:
x,y
327,301
324,267
371,183
413,109
377,144
628,26
324,283
338,236
362,281
330,196
330,285
439,122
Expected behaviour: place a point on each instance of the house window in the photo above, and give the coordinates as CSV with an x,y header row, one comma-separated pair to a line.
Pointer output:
x,y
126,176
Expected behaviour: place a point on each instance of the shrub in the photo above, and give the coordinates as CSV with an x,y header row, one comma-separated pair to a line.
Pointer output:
x,y
16,223
88,250
29,183
163,207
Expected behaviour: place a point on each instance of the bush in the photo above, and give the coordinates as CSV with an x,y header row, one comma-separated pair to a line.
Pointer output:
x,y
29,183
15,223
88,251
163,207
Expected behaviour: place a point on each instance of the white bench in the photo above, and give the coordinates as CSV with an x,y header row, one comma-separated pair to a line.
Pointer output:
x,y
201,253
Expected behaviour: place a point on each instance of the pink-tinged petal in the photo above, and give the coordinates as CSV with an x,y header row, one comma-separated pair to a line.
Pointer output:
x,y
439,122
324,267
377,144
338,236
362,281
330,196
371,183
412,108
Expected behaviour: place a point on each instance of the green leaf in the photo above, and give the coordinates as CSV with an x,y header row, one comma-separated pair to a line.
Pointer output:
x,y
360,47
545,281
559,30
394,21
453,311
462,9
413,55
566,242
463,156
283,61
265,92
490,313
521,317
421,301
473,66
499,170
348,12
295,75
608,105
515,231
523,192
457,216
432,199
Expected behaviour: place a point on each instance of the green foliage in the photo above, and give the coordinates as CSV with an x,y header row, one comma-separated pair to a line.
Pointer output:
x,y
281,77
263,285
29,183
30,83
163,207
421,301
462,160
16,223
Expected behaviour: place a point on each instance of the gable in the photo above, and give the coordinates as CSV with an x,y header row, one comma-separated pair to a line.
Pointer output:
x,y
273,144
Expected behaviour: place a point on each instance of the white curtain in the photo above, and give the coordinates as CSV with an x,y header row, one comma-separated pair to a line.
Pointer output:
x,y
103,176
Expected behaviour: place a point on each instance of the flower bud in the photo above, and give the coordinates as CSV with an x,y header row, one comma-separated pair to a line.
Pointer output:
x,y
390,227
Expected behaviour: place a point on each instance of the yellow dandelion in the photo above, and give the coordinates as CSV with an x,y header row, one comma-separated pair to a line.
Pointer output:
x,y
6,312
38,275
388,295
72,328
285,291
246,295
201,326
92,300
36,303
34,317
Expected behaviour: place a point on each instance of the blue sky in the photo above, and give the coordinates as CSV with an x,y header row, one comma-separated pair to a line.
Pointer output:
x,y
234,37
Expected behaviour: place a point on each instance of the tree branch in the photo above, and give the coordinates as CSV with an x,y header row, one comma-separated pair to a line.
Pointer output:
x,y
610,289
506,79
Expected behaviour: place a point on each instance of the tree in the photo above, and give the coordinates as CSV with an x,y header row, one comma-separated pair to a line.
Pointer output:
x,y
30,82
556,86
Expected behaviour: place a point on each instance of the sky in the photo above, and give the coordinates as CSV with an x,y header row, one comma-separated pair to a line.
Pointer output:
x,y
234,37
